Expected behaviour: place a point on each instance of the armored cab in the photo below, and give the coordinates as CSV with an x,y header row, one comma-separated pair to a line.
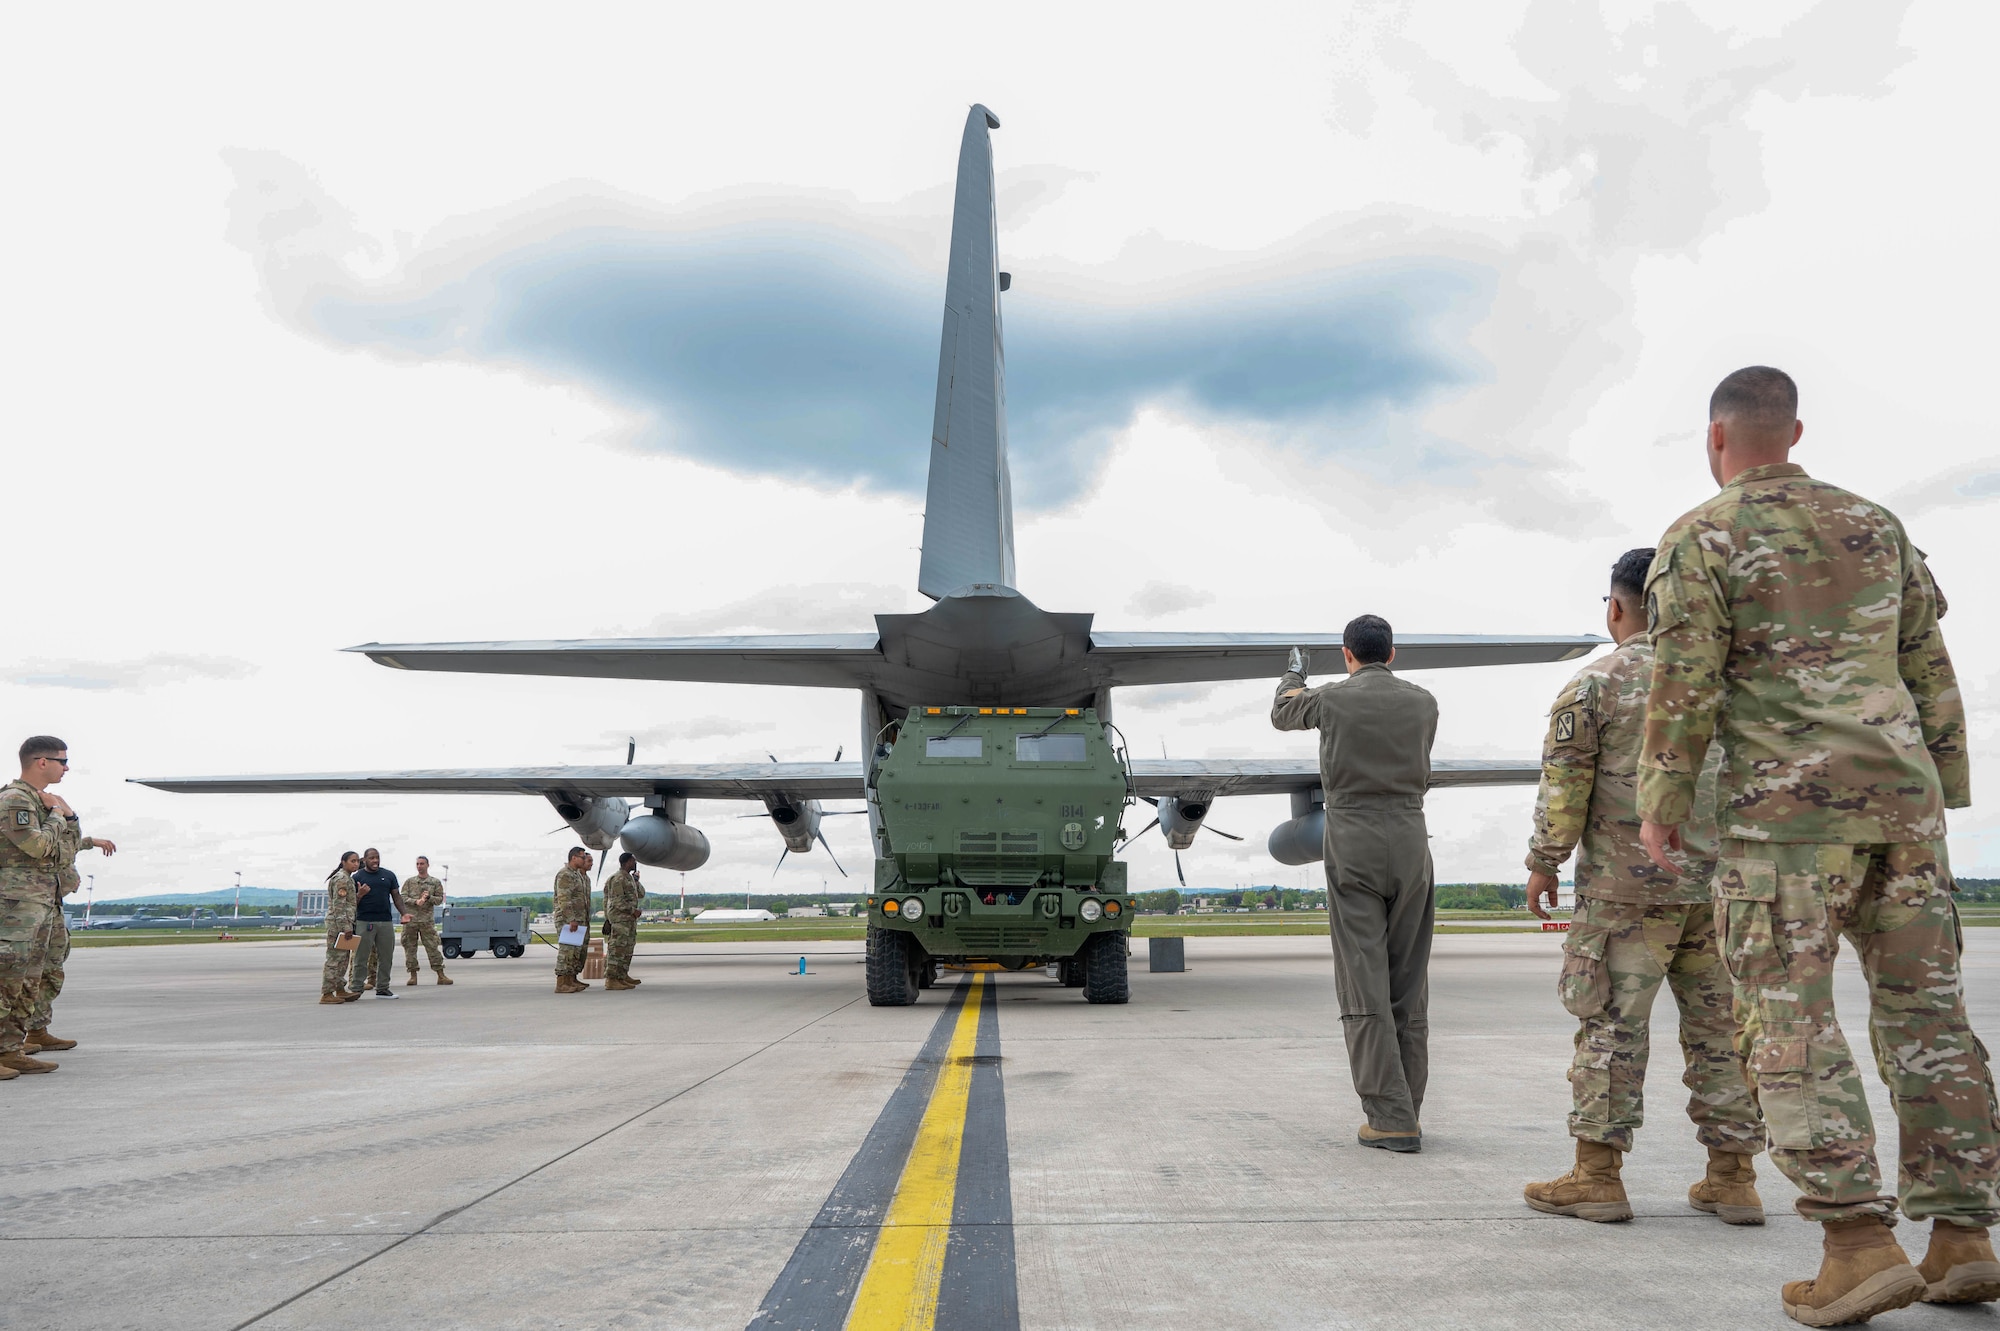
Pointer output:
x,y
996,829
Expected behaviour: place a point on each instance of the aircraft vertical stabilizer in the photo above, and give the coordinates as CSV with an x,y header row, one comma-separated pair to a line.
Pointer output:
x,y
969,509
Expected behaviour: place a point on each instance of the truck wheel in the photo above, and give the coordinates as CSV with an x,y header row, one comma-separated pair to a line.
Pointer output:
x,y
927,973
1104,978
892,970
1069,972
451,947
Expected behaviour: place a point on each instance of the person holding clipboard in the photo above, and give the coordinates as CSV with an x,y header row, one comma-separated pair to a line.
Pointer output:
x,y
572,921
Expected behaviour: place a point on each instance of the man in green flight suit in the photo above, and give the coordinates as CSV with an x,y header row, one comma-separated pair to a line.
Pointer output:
x,y
1635,928
623,899
1375,734
1795,624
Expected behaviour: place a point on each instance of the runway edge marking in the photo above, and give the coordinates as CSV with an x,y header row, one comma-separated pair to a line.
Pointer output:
x,y
888,1248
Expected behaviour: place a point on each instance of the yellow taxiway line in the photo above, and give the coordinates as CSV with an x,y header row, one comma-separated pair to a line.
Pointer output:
x,y
899,1292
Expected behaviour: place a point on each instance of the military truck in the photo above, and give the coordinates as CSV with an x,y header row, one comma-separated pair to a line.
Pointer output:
x,y
996,828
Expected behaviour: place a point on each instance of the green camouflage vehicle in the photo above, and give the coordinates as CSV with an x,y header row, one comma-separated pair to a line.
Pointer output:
x,y
996,828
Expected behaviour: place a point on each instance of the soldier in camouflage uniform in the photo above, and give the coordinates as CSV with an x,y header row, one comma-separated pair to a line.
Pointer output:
x,y
623,898
1635,926
55,948
572,910
340,901
422,894
31,836
1794,624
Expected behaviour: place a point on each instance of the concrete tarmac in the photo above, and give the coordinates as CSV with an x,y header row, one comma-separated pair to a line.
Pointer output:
x,y
223,1152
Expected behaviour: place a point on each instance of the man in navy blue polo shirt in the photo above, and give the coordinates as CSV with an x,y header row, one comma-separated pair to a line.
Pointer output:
x,y
376,911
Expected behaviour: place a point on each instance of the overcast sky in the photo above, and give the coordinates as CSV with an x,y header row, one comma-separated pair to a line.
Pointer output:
x,y
405,323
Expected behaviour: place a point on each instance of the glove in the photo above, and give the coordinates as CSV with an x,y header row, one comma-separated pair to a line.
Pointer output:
x,y
1296,663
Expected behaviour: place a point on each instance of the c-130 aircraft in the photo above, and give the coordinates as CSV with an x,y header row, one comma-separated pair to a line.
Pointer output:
x,y
943,695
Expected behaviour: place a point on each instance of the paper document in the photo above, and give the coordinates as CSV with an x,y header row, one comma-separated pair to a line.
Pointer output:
x,y
573,935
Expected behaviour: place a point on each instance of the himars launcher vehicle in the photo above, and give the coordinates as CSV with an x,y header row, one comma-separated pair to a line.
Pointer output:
x,y
982,845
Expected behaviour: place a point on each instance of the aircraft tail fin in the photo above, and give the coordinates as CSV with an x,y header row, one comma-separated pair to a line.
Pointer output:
x,y
969,507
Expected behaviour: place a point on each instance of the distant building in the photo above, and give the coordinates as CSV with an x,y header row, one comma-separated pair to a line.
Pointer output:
x,y
312,903
716,915
805,913
840,907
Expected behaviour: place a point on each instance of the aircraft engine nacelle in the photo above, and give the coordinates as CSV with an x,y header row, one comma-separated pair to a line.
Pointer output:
x,y
797,823
661,843
1180,820
596,821
1302,839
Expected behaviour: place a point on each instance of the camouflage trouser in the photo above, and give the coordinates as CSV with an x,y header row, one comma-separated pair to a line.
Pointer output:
x,y
619,938
1614,959
425,931
1785,908
24,930
55,951
569,956
333,975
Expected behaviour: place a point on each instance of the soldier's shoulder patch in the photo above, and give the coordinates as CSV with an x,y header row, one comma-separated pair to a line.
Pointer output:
x,y
1565,727
22,818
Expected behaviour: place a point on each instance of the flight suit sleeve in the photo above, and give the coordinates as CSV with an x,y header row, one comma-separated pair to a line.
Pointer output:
x,y
25,830
1925,665
1569,774
1298,712
1687,618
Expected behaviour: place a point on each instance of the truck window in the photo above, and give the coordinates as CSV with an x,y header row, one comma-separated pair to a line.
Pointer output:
x,y
954,746
1048,748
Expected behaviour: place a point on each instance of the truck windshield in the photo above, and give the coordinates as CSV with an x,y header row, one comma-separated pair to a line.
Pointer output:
x,y
1048,748
954,746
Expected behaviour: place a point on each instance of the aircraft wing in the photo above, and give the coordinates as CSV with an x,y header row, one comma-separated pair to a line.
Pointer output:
x,y
1210,778
702,781
813,660
1194,658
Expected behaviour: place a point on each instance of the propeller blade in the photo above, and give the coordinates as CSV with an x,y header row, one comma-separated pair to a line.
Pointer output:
x,y
1150,800
1219,832
837,813
1141,832
838,751
781,861
631,749
774,757
829,852
1177,869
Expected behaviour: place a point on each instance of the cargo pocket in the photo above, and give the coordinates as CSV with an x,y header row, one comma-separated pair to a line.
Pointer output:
x,y
1986,1071
1746,898
1778,1071
1585,986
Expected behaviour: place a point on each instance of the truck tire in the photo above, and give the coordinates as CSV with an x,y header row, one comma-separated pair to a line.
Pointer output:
x,y
927,973
451,947
1104,979
892,970
1069,972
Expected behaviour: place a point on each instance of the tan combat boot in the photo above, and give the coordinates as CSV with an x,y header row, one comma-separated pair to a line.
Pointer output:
x,y
413,981
1592,1190
1862,1271
47,1039
443,978
613,983
22,1063
566,984
1959,1268
350,995
1729,1192
8,1074
334,999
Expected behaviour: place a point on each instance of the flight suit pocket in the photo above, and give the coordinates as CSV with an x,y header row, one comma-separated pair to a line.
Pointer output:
x,y
1585,986
1778,1069
1746,897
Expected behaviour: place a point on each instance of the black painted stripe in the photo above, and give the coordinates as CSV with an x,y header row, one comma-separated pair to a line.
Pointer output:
x,y
816,1288
979,1290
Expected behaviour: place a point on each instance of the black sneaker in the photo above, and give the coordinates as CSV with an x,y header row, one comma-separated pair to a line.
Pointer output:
x,y
384,993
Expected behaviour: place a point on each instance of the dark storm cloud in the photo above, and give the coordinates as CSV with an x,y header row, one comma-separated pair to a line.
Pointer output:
x,y
801,338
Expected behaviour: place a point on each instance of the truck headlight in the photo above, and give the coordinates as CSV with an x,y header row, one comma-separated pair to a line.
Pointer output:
x,y
1090,910
1112,908
913,908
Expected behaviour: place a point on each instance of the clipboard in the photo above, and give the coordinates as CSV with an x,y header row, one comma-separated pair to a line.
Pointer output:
x,y
573,934
347,942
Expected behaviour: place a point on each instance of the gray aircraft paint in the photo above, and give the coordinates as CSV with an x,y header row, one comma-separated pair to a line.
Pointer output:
x,y
969,504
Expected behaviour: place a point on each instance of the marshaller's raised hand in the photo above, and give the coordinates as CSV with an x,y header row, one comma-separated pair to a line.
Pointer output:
x,y
1297,662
